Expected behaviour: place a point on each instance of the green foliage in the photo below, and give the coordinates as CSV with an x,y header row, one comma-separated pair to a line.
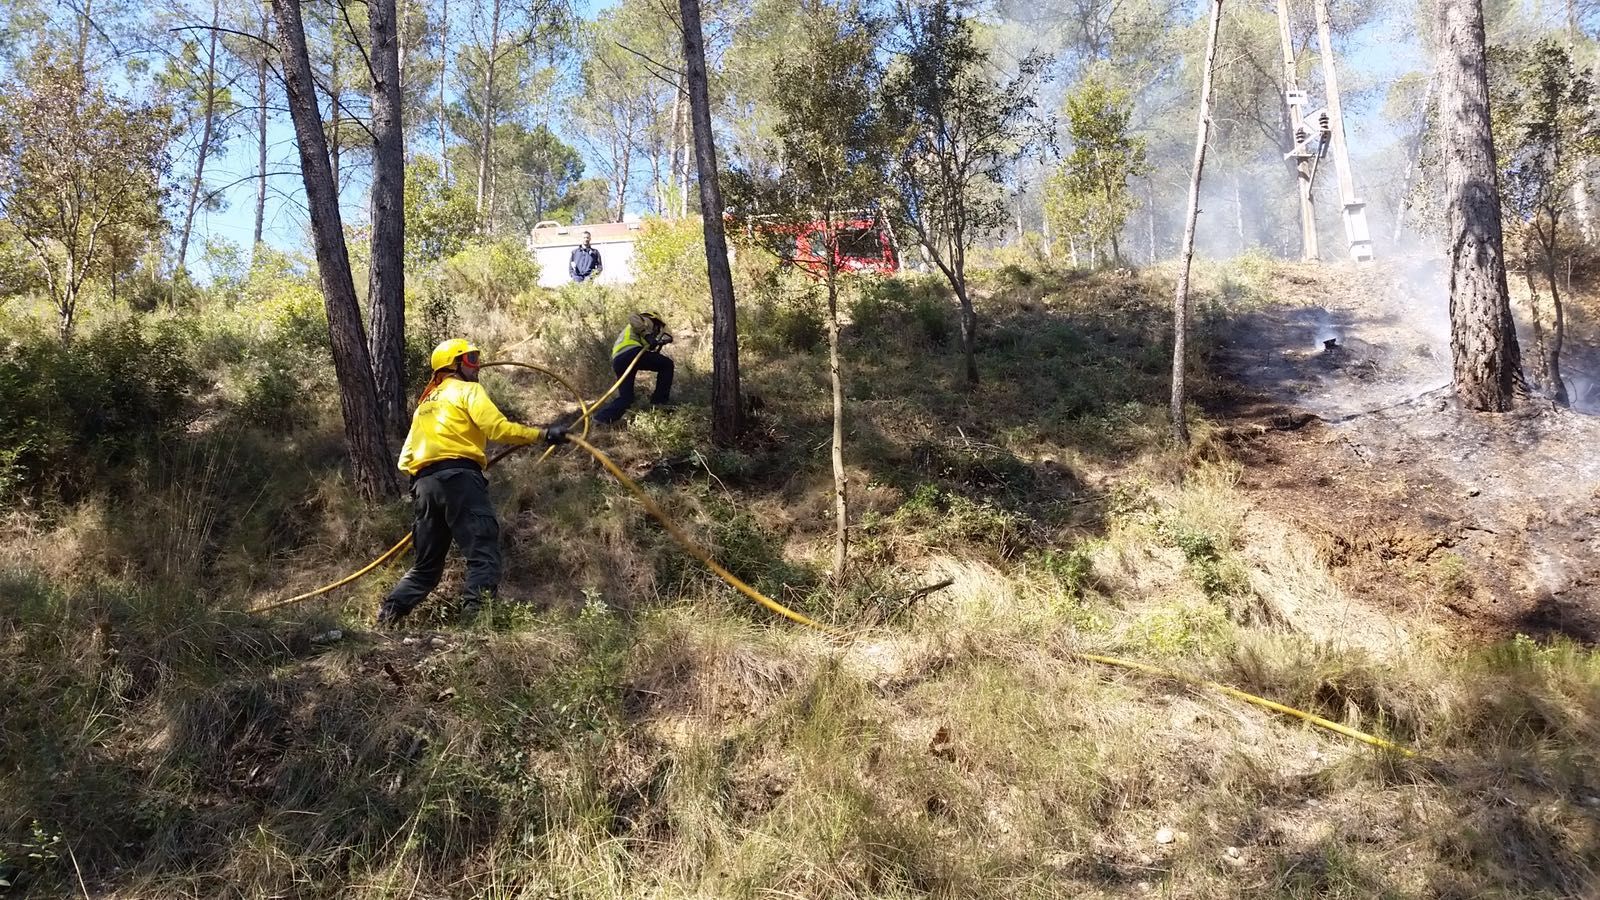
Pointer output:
x,y
828,135
956,131
1544,134
491,275
1069,572
953,520
1089,195
538,177
80,176
670,260
440,217
103,400
787,313
905,307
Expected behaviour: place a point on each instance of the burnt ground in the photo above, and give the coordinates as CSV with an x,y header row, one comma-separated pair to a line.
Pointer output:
x,y
1486,524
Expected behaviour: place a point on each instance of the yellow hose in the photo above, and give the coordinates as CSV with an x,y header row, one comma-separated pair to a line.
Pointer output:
x,y
585,411
1262,702
699,553
696,550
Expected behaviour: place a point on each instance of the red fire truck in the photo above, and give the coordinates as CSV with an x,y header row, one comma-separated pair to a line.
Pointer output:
x,y
865,242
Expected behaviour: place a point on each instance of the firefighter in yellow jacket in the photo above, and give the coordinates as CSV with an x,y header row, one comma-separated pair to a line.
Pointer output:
x,y
643,337
445,457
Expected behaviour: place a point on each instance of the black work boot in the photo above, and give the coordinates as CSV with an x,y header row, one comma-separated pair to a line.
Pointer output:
x,y
471,609
389,615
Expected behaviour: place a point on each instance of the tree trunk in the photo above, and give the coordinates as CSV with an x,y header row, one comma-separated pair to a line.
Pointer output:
x,y
683,167
969,324
386,285
261,138
486,124
1180,305
624,164
1238,211
1150,218
444,70
370,462
67,311
1402,200
1551,351
84,23
841,507
1541,375
727,416
207,128
335,102
675,145
1483,339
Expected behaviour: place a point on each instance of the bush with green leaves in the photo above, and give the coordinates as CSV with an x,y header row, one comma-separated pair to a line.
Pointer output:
x,y
65,412
670,261
492,275
905,307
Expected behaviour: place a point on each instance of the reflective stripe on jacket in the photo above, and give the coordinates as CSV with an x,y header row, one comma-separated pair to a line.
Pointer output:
x,y
640,331
454,421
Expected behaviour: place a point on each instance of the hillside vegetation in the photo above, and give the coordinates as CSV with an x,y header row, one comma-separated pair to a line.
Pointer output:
x,y
621,724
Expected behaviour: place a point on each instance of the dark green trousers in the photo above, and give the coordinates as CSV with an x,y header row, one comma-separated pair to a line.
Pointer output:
x,y
452,505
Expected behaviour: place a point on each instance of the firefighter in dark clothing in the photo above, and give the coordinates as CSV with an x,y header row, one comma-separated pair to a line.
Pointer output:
x,y
643,337
444,455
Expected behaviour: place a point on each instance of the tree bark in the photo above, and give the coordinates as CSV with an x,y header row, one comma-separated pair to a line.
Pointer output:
x,y
387,278
207,128
84,22
1549,349
261,137
370,462
841,506
683,166
1413,156
1483,339
444,70
969,325
335,101
675,145
486,129
1180,305
727,415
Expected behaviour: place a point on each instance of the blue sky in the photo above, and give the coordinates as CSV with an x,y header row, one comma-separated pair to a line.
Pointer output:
x,y
1376,57
285,220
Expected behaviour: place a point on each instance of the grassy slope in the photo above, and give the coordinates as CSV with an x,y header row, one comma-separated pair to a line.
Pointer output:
x,y
651,734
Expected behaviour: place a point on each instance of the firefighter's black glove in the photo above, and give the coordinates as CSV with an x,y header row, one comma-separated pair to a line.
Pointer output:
x,y
556,434
661,340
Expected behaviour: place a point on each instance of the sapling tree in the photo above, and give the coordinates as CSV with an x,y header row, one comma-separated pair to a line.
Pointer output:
x,y
956,131
831,151
1088,194
80,176
1545,137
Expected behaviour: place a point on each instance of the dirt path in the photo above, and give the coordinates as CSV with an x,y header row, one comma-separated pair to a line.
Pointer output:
x,y
1486,524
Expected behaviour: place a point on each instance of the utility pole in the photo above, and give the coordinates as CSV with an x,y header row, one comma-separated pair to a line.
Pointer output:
x,y
1295,99
1355,211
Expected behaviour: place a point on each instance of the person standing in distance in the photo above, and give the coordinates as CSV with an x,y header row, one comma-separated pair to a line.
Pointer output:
x,y
445,456
644,336
585,262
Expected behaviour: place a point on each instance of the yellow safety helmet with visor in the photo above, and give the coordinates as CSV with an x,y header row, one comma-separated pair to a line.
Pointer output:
x,y
446,354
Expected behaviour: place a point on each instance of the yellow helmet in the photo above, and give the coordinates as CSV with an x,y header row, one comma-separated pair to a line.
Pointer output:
x,y
447,353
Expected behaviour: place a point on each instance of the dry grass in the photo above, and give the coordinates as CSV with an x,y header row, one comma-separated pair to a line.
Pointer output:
x,y
638,731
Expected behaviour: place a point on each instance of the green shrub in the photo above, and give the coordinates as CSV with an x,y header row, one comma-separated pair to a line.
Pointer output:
x,y
788,313
103,400
905,306
670,260
492,275
275,399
